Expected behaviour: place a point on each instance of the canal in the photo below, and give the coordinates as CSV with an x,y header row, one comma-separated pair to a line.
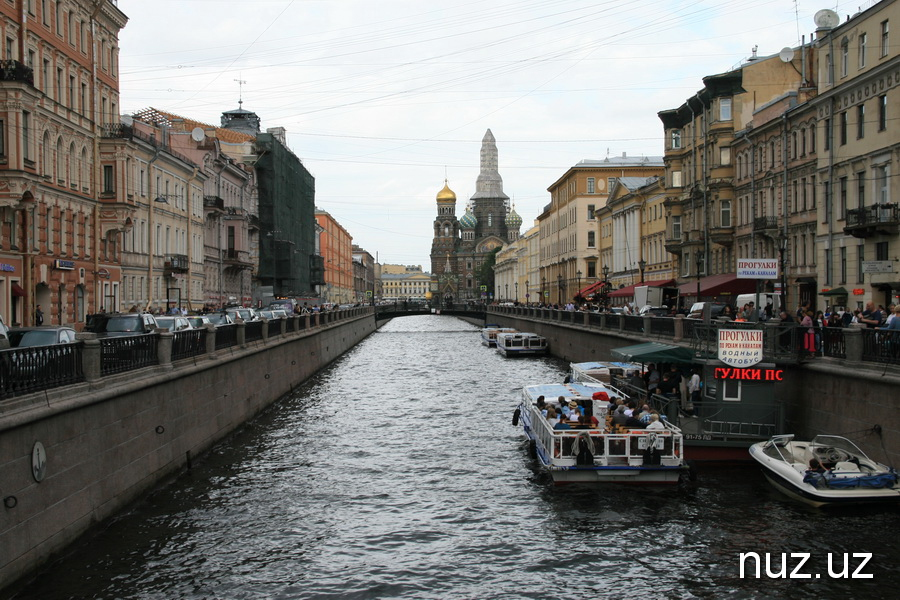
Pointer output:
x,y
396,473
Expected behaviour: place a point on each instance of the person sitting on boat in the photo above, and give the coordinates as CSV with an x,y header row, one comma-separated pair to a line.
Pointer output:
x,y
634,423
574,411
540,403
643,414
655,423
619,417
552,417
561,424
819,466
629,408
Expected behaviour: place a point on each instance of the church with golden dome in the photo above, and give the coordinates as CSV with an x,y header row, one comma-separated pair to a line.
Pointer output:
x,y
461,245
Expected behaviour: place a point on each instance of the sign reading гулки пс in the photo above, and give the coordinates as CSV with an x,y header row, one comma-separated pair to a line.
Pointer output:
x,y
740,347
757,268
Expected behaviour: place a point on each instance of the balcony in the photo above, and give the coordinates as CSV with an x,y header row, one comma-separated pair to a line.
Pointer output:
x,y
673,244
766,225
214,203
176,263
237,259
873,220
724,236
13,70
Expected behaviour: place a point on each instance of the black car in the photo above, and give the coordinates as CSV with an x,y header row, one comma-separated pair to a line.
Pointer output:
x,y
120,324
21,337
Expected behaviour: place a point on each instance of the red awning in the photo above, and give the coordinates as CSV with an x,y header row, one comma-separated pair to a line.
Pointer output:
x,y
628,291
591,289
18,291
726,284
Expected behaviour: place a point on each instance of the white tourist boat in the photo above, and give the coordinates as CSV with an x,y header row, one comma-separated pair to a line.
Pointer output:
x,y
521,343
599,454
828,470
602,372
489,334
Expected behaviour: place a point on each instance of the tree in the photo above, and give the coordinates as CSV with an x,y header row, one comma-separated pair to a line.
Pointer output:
x,y
484,273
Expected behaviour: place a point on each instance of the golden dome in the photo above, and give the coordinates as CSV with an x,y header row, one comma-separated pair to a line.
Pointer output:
x,y
446,193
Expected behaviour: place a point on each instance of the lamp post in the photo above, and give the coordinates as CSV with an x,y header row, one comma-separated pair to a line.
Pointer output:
x,y
578,280
527,293
543,283
699,267
506,295
604,294
559,283
641,265
517,292
782,248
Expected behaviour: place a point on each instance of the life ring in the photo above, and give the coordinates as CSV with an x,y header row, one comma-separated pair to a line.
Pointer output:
x,y
516,416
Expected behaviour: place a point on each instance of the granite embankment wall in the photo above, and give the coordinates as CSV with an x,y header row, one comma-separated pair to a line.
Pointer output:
x,y
820,396
111,441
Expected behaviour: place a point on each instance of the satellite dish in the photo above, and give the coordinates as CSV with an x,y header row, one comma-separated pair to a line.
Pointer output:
x,y
197,134
826,19
786,55
127,120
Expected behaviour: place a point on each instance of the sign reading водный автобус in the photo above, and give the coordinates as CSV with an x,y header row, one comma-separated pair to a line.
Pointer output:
x,y
757,268
741,347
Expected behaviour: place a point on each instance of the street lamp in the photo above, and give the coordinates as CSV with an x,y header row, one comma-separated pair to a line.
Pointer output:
x,y
699,267
559,283
604,294
506,296
517,292
641,265
527,292
578,279
782,248
543,283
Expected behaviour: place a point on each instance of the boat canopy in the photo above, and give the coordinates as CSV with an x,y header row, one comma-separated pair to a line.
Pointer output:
x,y
653,352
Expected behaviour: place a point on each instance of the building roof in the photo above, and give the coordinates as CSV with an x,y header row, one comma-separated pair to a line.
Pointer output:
x,y
164,118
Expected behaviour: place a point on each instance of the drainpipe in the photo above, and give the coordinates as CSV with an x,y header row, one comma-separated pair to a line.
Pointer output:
x,y
190,241
150,236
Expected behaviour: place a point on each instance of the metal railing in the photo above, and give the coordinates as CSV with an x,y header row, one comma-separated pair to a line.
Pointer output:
x,y
120,354
253,331
881,345
188,343
25,370
226,336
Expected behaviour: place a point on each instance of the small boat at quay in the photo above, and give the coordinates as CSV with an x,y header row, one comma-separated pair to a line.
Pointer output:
x,y
521,344
489,334
600,452
602,372
826,471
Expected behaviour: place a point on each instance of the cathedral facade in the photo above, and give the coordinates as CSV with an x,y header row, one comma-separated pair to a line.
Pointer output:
x,y
461,246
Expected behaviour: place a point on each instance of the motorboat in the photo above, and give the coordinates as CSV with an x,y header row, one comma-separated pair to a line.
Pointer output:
x,y
828,470
598,453
521,343
602,372
489,334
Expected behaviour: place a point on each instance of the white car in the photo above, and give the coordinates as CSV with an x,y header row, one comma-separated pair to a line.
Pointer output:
x,y
173,323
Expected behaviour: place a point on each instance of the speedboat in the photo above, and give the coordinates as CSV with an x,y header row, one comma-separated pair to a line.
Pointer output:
x,y
828,470
489,334
601,453
521,343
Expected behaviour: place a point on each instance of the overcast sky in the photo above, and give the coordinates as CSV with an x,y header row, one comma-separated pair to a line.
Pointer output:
x,y
382,99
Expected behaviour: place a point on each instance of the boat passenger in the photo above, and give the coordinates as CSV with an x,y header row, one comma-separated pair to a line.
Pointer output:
x,y
619,417
540,403
562,425
552,417
655,423
575,411
629,408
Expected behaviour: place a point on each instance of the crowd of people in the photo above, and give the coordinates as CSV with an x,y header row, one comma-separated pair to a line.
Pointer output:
x,y
563,415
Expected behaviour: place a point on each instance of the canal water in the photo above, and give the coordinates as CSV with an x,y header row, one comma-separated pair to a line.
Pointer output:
x,y
396,473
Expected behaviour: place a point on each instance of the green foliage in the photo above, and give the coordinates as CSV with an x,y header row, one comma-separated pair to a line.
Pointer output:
x,y
484,273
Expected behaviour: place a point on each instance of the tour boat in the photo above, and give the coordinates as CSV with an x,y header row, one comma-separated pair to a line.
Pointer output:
x,y
602,454
521,343
828,470
603,372
489,334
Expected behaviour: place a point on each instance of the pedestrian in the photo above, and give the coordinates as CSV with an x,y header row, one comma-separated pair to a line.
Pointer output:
x,y
38,315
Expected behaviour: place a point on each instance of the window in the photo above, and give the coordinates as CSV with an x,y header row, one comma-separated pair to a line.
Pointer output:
x,y
882,194
2,139
108,184
845,56
803,142
860,121
26,135
812,139
724,155
591,185
726,213
590,212
843,131
828,280
676,178
45,14
881,251
590,241
725,109
884,38
843,266
676,227
861,189
882,112
842,198
30,60
59,19
676,139
591,269
827,134
9,49
862,50
794,145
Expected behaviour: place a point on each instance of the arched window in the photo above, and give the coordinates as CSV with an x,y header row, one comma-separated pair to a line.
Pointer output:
x,y
72,158
60,161
44,156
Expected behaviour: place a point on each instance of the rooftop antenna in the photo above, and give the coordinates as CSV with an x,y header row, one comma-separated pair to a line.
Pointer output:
x,y
240,83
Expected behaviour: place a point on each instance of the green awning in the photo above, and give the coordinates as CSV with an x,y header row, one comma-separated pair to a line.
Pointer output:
x,y
835,292
653,352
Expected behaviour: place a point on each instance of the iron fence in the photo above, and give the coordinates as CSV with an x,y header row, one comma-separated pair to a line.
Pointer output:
x,y
832,342
25,370
633,323
226,336
120,354
881,345
188,343
253,331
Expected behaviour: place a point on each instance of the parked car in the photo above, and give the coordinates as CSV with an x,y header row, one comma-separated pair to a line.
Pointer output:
x,y
219,318
716,309
199,321
272,314
246,314
21,337
655,311
120,324
173,323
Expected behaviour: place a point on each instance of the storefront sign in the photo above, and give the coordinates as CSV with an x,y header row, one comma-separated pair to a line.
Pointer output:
x,y
749,374
64,265
103,273
757,268
7,268
859,292
740,347
877,266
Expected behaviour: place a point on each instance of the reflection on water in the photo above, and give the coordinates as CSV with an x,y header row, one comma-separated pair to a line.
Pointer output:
x,y
396,473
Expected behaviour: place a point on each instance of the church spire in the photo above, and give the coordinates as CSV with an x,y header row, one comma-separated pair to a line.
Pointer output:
x,y
489,183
